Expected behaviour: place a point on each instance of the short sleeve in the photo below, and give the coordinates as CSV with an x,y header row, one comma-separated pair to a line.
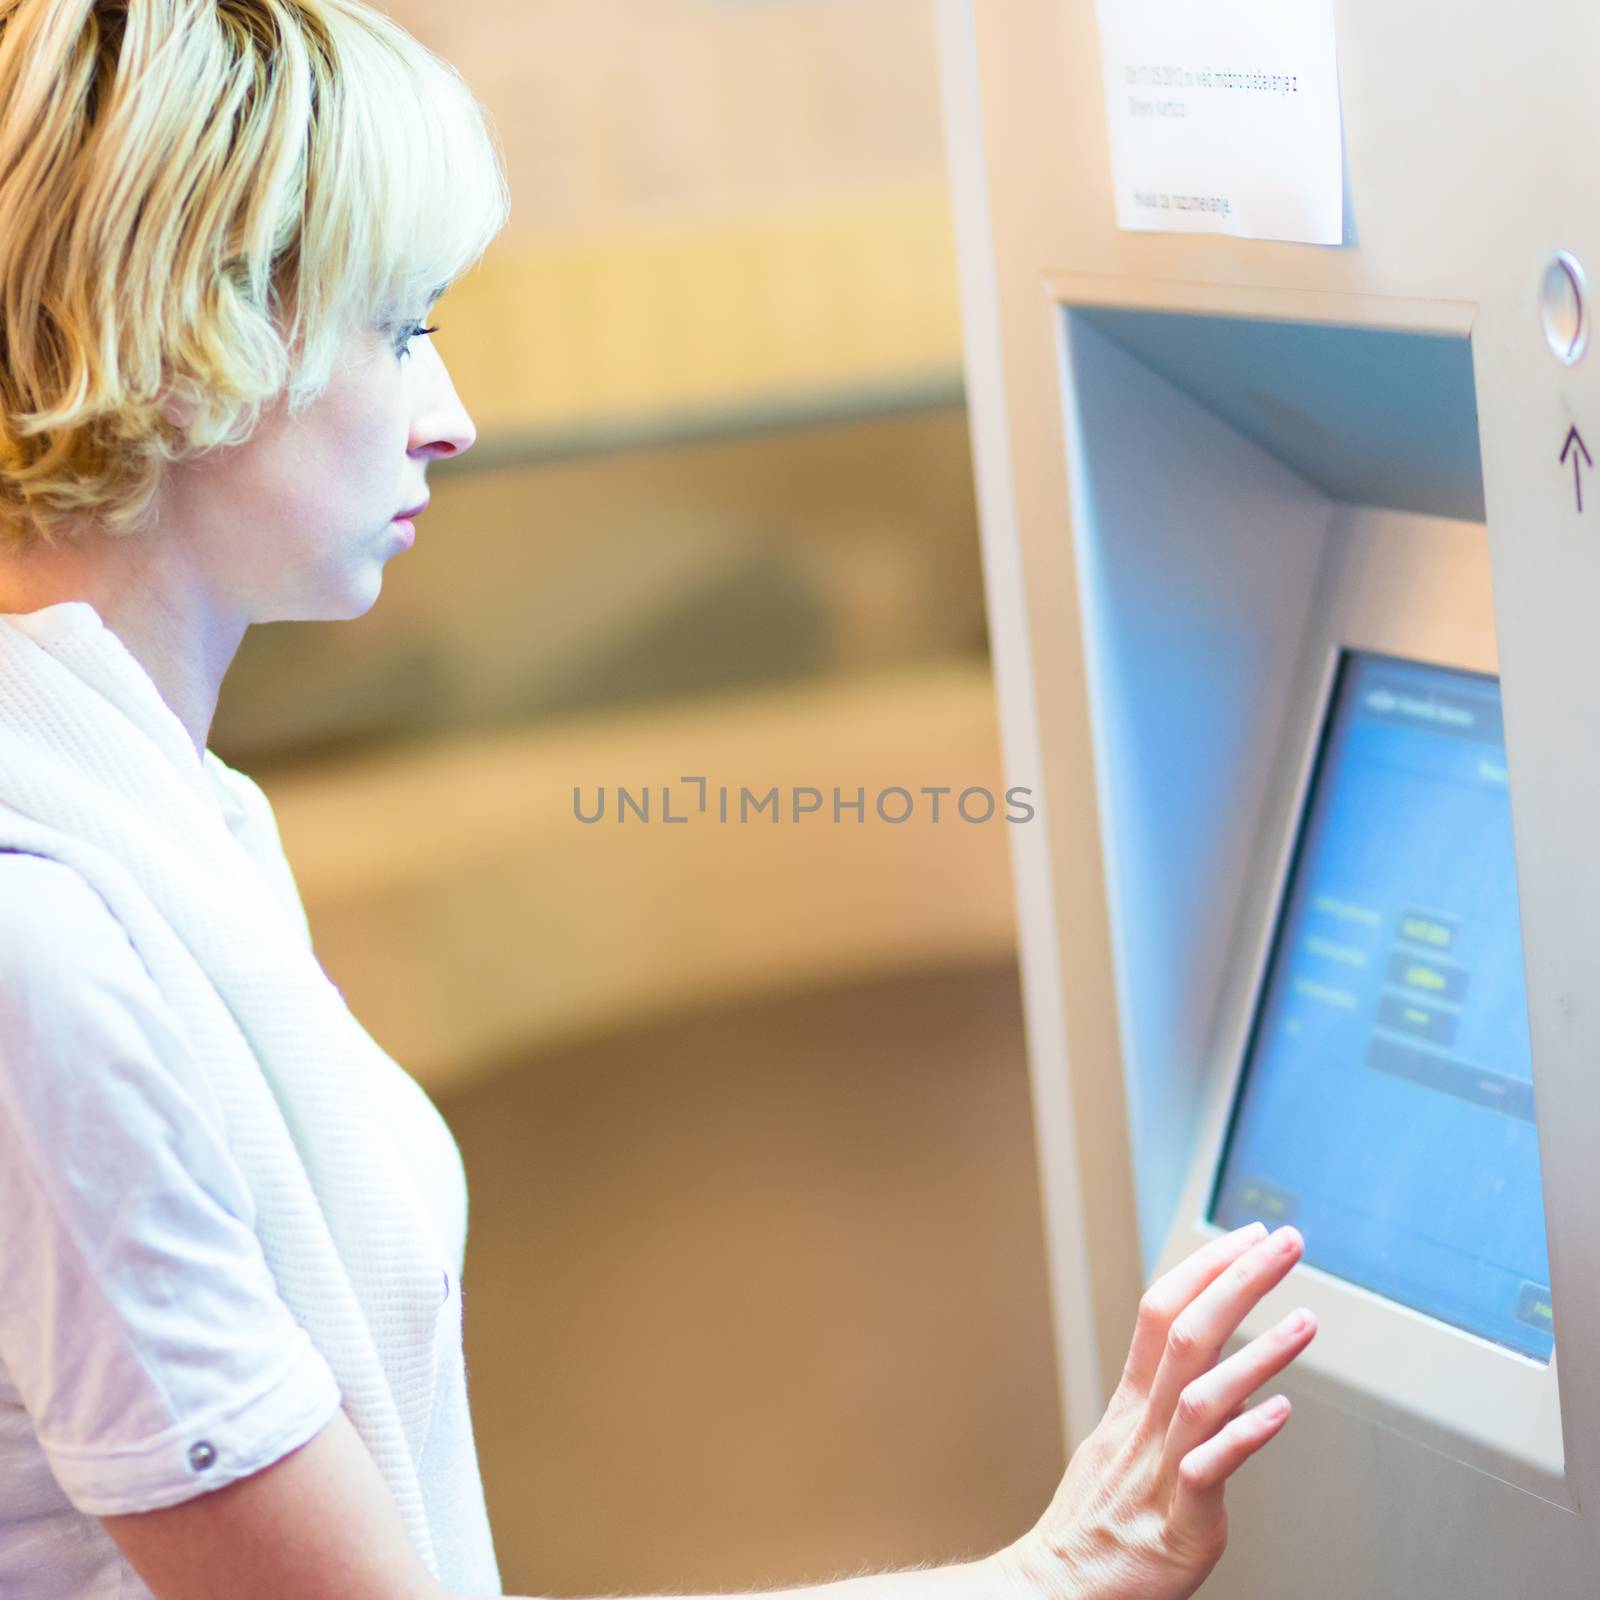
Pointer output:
x,y
140,1326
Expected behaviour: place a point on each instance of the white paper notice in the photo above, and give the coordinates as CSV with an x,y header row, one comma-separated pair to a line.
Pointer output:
x,y
1224,117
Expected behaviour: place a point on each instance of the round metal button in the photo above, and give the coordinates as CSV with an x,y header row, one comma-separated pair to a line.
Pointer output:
x,y
1563,307
202,1455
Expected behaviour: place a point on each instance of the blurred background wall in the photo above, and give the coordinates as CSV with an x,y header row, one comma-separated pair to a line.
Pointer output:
x,y
755,1288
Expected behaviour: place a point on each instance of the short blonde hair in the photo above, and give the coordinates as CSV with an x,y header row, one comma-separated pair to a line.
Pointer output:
x,y
205,199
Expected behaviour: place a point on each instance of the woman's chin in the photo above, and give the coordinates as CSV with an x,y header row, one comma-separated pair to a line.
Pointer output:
x,y
352,596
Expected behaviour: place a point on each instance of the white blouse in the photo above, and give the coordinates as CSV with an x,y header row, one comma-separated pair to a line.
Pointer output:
x,y
139,1324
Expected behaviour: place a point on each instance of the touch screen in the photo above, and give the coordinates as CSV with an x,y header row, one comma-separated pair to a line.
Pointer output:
x,y
1386,1103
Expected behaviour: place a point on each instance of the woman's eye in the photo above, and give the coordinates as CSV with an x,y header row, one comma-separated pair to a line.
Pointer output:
x,y
412,330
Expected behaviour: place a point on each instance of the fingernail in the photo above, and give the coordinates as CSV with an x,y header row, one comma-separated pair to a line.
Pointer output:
x,y
1297,1321
1276,1407
1287,1239
1251,1230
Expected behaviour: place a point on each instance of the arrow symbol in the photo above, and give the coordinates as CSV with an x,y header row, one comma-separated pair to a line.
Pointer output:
x,y
1576,438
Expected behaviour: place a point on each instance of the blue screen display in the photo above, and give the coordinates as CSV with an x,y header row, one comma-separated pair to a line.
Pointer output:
x,y
1386,1102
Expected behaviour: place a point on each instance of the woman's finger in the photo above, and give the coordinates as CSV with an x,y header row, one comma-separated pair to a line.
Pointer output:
x,y
1204,1472
1198,1333
1211,1401
1173,1291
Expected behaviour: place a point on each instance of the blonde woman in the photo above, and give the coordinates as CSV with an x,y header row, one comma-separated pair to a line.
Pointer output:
x,y
231,1228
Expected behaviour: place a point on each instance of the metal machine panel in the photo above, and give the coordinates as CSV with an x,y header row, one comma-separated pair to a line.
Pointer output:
x,y
1206,465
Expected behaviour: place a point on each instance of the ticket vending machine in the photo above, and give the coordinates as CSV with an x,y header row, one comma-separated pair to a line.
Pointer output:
x,y
1293,568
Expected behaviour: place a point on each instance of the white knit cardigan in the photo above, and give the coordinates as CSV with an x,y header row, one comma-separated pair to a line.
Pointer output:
x,y
97,772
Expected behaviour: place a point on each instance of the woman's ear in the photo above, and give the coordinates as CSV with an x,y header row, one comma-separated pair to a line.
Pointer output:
x,y
178,404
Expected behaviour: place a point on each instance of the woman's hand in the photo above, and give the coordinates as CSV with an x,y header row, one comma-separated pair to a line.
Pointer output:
x,y
1139,1514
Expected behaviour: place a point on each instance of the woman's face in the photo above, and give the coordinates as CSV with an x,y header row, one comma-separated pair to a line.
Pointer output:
x,y
297,523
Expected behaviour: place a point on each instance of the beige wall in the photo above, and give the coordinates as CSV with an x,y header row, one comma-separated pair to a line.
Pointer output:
x,y
624,112
713,204
757,1298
